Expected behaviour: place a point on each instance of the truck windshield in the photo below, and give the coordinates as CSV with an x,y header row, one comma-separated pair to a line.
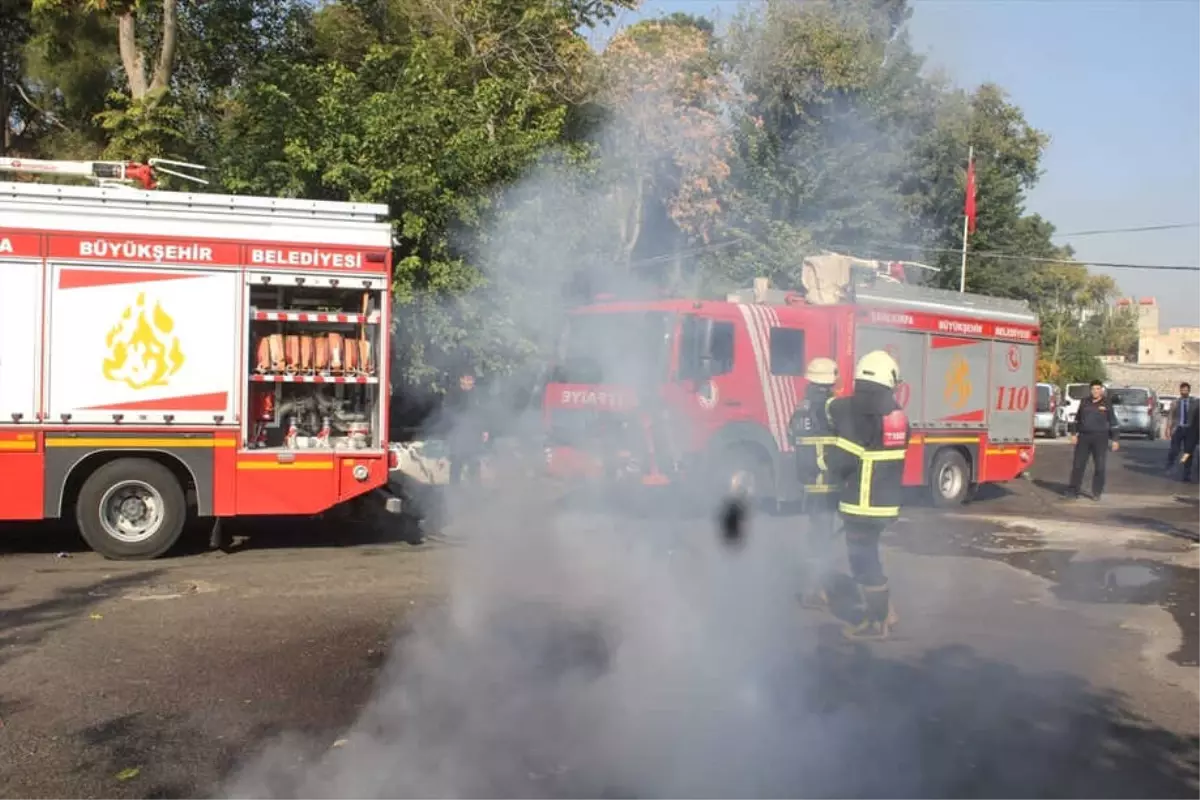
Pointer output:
x,y
623,348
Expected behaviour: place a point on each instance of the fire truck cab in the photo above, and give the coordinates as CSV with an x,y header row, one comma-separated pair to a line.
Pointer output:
x,y
702,391
165,354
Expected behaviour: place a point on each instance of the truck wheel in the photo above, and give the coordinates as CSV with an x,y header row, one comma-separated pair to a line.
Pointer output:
x,y
131,509
949,478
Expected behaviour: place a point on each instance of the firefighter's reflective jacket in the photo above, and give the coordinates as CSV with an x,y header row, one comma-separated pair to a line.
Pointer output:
x,y
813,438
872,435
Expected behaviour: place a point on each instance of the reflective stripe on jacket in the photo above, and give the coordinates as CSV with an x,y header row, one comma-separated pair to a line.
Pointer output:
x,y
872,487
868,458
819,445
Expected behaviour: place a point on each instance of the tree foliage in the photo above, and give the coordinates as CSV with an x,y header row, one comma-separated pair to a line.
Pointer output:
x,y
522,167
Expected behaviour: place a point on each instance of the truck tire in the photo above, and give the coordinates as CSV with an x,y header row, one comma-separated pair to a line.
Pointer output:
x,y
949,478
131,509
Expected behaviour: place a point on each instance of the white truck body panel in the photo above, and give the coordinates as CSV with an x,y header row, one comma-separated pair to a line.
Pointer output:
x,y
124,345
198,216
68,368
20,333
961,378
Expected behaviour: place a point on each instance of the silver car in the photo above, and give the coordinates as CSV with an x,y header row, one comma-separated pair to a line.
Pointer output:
x,y
1137,410
1050,414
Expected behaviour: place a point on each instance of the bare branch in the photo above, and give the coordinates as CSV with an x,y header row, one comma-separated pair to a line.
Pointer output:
x,y
50,117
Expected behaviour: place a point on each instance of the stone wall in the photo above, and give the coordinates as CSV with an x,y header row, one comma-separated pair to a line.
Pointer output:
x,y
1162,378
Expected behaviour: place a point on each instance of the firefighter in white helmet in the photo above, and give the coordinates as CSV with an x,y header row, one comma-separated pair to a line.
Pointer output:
x,y
872,434
812,437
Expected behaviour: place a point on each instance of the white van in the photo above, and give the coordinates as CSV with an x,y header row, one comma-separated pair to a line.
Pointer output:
x,y
1073,393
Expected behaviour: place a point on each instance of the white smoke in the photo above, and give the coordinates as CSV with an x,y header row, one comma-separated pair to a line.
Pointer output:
x,y
584,654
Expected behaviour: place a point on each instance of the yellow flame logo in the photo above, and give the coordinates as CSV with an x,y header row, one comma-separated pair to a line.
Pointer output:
x,y
142,352
958,383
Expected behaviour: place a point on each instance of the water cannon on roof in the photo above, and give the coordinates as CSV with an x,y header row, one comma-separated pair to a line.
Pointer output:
x,y
125,174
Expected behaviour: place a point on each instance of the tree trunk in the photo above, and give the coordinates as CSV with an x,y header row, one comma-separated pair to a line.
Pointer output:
x,y
631,228
166,55
133,59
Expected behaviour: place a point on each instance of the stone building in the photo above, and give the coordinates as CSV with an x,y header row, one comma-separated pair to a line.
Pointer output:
x,y
1174,346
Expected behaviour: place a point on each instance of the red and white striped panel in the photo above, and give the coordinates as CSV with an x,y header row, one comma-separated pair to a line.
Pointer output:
x,y
779,391
313,379
312,316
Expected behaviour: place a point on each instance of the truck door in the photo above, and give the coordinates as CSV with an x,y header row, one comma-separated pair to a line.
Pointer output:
x,y
704,385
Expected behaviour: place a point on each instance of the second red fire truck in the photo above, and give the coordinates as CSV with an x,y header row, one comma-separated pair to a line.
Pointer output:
x,y
701,391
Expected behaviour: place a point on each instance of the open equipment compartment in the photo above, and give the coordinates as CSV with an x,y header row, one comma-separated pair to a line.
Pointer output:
x,y
313,364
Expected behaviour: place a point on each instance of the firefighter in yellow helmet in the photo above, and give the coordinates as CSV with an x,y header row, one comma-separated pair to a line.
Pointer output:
x,y
872,434
812,437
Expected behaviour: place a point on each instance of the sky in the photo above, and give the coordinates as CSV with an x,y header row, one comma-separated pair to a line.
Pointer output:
x,y
1116,85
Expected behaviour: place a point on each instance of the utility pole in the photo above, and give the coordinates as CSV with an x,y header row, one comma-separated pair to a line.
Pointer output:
x,y
968,213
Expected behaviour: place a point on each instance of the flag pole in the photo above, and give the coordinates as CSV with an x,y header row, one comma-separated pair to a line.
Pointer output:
x,y
962,270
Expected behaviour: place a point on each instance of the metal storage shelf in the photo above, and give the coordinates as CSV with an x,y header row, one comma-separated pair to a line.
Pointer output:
x,y
352,379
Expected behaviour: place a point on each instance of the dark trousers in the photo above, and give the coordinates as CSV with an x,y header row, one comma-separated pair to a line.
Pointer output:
x,y
1094,446
821,509
1178,442
862,548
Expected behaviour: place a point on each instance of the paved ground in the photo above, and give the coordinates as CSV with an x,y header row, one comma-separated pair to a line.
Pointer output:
x,y
1047,648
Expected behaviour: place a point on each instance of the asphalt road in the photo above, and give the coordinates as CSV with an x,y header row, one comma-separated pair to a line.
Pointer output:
x,y
1046,648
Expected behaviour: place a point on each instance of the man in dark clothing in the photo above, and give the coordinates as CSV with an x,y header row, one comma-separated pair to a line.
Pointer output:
x,y
868,458
1190,443
468,431
1096,432
1185,430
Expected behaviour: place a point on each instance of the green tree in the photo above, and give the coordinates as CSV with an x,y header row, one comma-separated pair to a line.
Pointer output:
x,y
1008,155
835,103
664,144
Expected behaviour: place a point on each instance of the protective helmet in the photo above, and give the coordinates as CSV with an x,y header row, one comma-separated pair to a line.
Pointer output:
x,y
822,371
878,367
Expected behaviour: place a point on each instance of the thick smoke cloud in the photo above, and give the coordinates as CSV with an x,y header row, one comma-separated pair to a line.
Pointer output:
x,y
579,655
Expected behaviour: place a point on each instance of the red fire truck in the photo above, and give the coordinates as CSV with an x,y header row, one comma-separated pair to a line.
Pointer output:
x,y
701,392
165,354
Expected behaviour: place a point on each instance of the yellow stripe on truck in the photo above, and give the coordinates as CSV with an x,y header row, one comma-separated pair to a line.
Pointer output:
x,y
308,465
121,442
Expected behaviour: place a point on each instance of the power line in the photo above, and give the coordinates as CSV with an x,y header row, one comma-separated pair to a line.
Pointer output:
x,y
1103,231
997,254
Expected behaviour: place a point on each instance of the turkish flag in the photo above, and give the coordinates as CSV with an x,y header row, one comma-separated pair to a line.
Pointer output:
x,y
970,204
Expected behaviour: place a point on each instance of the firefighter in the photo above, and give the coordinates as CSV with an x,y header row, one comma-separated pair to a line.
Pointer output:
x,y
812,437
872,435
468,432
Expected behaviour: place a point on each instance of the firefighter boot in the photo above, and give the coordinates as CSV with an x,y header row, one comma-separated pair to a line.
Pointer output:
x,y
877,621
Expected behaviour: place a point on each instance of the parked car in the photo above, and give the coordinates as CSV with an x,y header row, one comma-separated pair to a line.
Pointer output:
x,y
1050,413
1075,392
1166,402
1137,410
